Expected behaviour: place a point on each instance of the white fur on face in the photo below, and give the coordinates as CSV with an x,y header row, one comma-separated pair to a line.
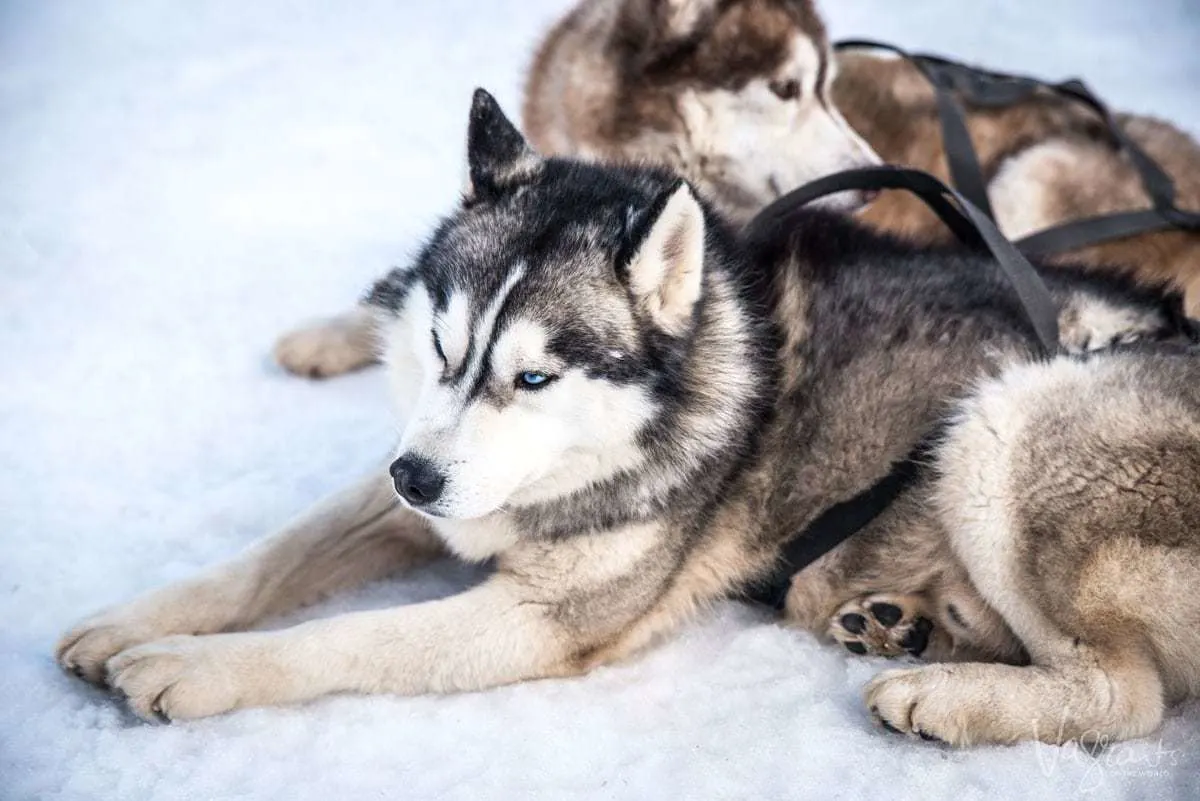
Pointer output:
x,y
506,445
453,328
769,146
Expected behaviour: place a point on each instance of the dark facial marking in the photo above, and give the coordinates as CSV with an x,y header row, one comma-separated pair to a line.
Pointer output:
x,y
484,377
437,348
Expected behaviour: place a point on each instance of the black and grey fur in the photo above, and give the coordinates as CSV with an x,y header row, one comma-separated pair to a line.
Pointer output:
x,y
630,407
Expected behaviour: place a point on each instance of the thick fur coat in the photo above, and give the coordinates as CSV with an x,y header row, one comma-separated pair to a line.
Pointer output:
x,y
630,408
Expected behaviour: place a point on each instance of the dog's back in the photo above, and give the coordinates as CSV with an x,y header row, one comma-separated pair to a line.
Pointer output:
x,y
1063,512
880,338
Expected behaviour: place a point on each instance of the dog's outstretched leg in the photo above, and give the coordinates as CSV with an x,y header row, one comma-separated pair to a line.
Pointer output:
x,y
490,635
354,537
330,347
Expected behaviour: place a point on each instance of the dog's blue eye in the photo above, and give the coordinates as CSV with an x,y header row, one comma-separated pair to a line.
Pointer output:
x,y
531,379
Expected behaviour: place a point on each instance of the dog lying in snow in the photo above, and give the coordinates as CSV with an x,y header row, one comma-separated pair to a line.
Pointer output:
x,y
631,408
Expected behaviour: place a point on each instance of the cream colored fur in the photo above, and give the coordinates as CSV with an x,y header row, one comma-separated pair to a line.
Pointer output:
x,y
1096,675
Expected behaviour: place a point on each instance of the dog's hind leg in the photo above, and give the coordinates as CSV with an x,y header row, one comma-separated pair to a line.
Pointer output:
x,y
354,537
1067,492
1096,677
1119,645
330,347
1093,696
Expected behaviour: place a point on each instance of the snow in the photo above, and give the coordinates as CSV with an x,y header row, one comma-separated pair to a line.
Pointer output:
x,y
179,183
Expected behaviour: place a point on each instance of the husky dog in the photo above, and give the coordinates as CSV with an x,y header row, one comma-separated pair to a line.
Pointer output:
x,y
630,409
745,100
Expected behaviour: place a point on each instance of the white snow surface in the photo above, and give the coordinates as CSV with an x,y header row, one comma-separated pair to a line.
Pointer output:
x,y
179,183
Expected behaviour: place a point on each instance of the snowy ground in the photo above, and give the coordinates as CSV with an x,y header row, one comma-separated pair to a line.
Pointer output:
x,y
178,185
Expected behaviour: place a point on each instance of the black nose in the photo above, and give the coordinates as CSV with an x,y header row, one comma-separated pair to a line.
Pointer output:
x,y
417,480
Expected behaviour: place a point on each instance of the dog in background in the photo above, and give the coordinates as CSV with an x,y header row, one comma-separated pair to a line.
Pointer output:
x,y
746,99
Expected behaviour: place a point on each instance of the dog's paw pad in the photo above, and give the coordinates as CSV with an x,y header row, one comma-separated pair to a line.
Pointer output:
x,y
882,625
887,614
853,622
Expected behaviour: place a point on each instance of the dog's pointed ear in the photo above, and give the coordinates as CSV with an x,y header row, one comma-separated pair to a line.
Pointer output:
x,y
666,270
498,157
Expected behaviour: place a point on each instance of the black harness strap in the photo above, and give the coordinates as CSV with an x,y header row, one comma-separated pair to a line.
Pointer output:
x,y
842,520
947,78
952,79
839,523
968,223
1079,234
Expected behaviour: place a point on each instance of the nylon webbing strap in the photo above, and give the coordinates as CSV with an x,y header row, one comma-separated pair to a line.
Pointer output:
x,y
961,160
1089,231
969,224
843,520
837,524
951,79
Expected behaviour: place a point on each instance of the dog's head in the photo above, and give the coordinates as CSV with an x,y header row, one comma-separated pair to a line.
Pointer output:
x,y
539,332
743,88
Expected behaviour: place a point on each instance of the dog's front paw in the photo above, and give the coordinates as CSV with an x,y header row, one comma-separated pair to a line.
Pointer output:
x,y
919,701
882,624
181,677
327,348
86,648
